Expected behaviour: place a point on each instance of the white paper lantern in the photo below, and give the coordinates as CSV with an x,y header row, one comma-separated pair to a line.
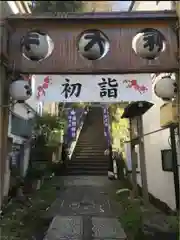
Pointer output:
x,y
165,88
93,44
36,46
20,90
149,43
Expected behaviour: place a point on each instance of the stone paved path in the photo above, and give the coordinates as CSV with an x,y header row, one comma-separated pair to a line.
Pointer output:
x,y
84,210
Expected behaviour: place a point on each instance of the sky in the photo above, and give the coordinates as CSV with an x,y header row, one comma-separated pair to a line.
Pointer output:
x,y
120,5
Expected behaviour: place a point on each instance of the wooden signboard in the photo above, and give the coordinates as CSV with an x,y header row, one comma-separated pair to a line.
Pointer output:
x,y
119,27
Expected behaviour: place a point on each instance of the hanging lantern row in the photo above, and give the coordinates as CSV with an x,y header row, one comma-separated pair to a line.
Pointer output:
x,y
93,44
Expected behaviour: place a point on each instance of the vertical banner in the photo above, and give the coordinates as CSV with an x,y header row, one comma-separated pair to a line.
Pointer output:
x,y
69,124
72,124
106,124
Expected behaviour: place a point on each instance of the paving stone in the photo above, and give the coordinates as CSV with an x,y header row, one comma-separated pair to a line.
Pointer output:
x,y
107,228
65,228
98,181
94,213
89,200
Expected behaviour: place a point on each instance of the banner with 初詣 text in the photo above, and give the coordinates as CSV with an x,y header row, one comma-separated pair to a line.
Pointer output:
x,y
93,88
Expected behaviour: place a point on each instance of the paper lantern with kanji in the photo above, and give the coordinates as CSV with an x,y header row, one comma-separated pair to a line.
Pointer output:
x,y
36,46
93,44
20,90
165,88
149,43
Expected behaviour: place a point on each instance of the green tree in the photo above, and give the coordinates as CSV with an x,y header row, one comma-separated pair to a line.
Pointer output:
x,y
56,6
45,124
119,127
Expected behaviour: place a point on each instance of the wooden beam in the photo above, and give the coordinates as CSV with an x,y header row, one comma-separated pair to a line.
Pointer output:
x,y
136,16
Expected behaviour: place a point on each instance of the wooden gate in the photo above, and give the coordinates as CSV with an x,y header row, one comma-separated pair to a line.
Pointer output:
x,y
119,27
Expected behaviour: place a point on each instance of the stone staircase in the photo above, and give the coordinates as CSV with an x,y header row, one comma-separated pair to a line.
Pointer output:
x,y
88,157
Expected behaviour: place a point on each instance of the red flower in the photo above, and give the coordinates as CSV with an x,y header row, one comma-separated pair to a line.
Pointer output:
x,y
46,79
133,82
40,91
143,88
45,85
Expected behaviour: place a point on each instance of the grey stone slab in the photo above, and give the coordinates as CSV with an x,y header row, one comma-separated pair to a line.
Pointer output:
x,y
63,227
98,181
84,200
63,238
107,228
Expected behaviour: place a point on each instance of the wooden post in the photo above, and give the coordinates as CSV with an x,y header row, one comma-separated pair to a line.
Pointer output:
x,y
133,161
4,121
178,73
142,161
175,166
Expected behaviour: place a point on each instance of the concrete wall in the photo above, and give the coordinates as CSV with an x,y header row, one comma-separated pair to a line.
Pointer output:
x,y
160,183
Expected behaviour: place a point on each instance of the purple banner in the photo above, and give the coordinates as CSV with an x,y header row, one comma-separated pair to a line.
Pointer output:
x,y
72,126
106,124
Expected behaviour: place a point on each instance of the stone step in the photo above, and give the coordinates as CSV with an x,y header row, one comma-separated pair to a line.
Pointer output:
x,y
89,159
90,130
94,133
91,145
99,157
88,164
87,168
84,163
90,150
89,137
92,158
89,153
87,172
93,141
